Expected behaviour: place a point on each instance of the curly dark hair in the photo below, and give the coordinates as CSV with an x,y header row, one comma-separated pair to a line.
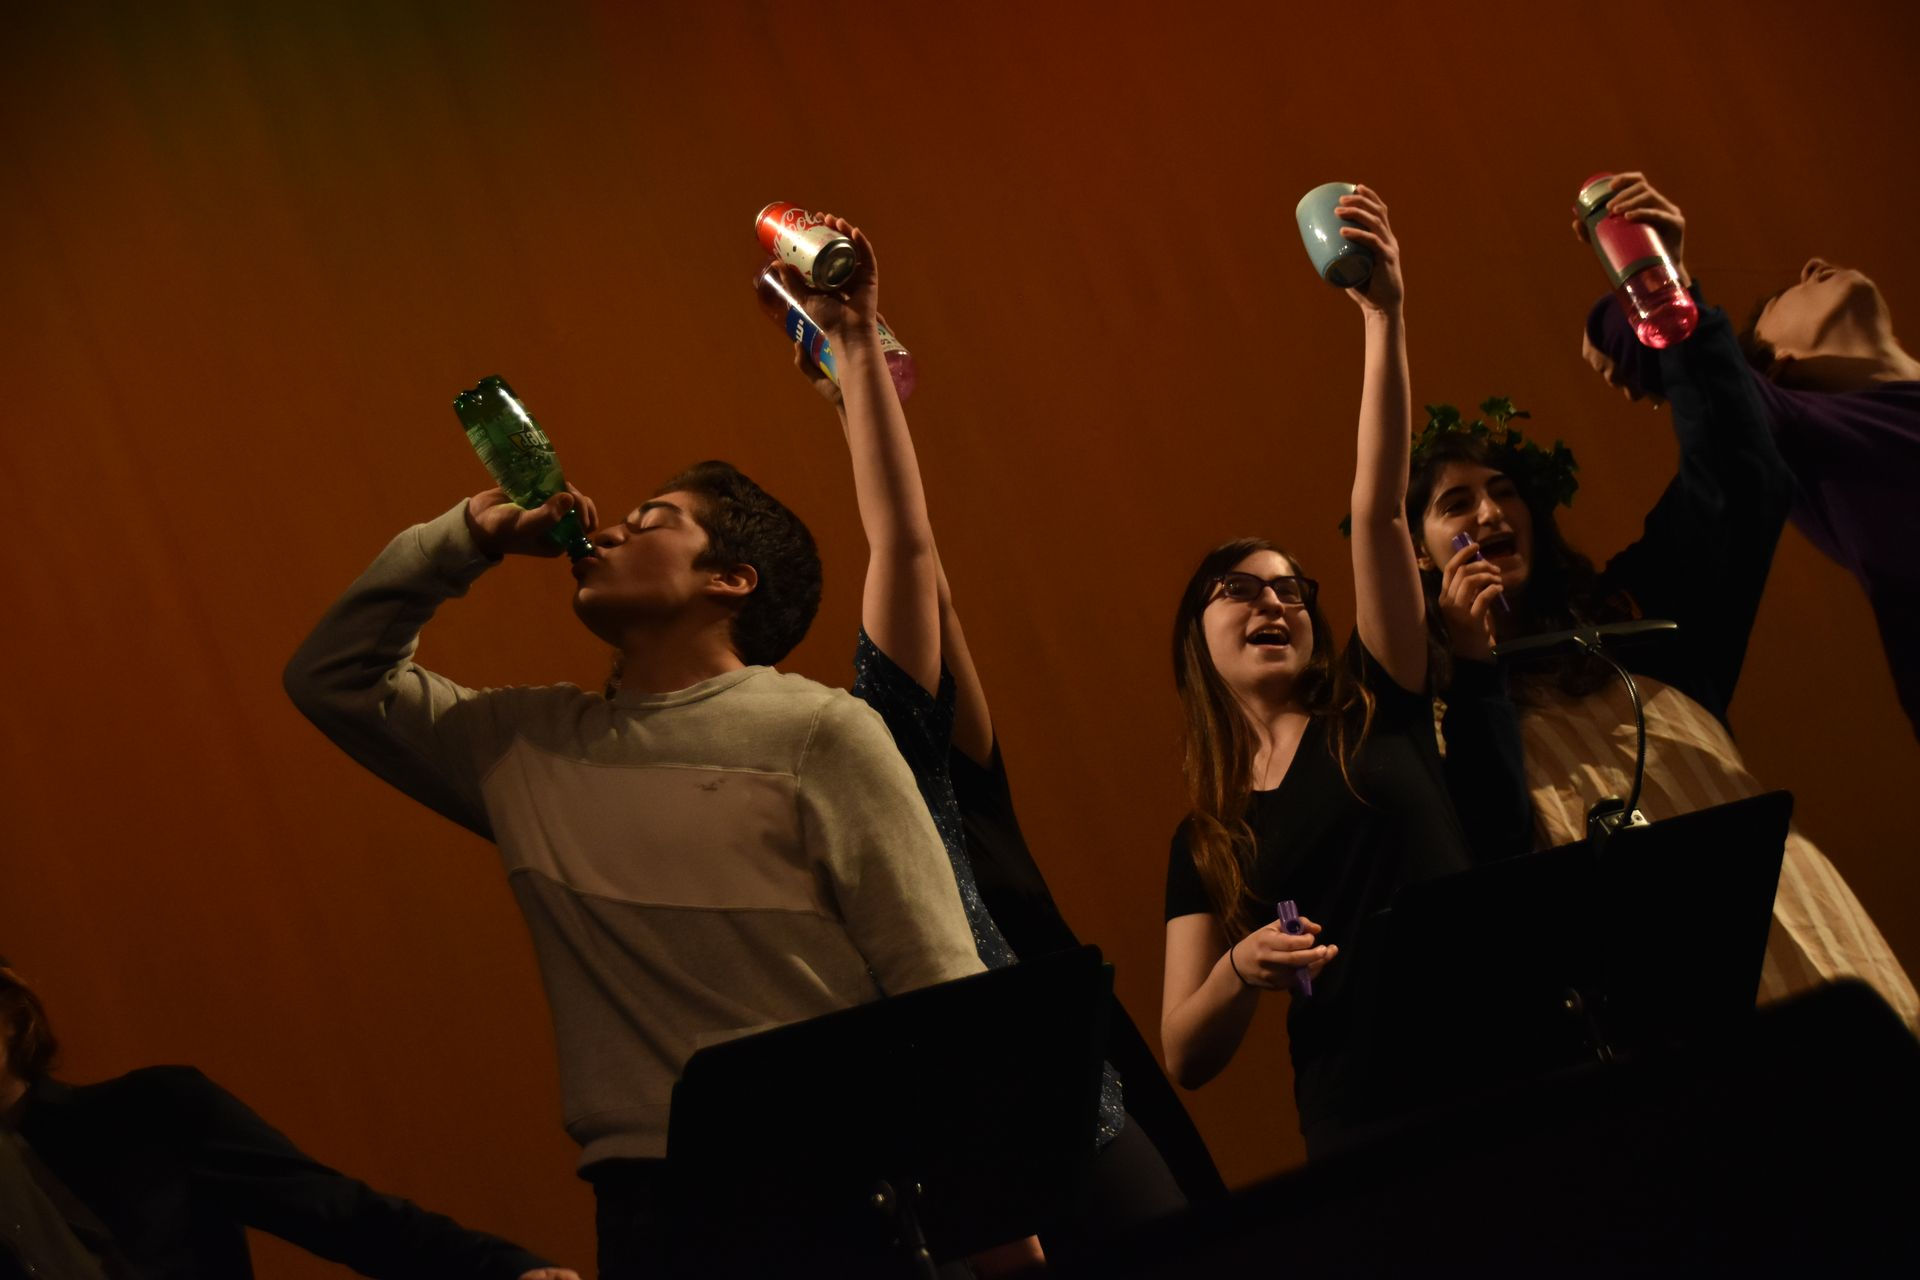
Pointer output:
x,y
1565,590
745,524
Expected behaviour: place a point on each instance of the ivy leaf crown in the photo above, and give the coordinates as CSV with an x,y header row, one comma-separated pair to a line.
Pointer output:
x,y
1541,473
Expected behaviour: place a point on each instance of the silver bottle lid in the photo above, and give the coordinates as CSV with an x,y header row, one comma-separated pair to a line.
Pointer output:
x,y
834,265
1595,194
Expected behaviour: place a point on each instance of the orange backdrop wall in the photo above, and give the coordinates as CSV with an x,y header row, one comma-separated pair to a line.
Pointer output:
x,y
249,252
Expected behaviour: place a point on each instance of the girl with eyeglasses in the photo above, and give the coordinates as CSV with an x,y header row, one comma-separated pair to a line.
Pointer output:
x,y
1310,778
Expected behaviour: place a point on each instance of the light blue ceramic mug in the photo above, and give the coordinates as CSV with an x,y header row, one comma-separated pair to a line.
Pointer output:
x,y
1340,261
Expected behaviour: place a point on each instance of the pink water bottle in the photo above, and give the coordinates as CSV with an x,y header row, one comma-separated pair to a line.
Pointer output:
x,y
1644,278
784,309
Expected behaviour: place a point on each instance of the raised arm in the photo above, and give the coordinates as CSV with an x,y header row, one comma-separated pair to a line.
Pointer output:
x,y
1390,606
1703,557
972,722
355,678
899,605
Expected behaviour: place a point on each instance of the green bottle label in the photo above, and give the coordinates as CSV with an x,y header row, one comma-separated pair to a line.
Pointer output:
x,y
517,453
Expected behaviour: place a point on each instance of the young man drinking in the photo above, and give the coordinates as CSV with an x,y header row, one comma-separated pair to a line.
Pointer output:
x,y
713,848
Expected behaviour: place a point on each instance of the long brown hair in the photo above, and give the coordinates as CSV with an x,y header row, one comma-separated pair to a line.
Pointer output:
x,y
1220,744
1563,590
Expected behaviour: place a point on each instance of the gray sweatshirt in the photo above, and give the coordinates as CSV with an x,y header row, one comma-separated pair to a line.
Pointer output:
x,y
693,865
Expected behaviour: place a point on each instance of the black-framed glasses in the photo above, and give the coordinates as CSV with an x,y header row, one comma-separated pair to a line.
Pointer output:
x,y
1288,588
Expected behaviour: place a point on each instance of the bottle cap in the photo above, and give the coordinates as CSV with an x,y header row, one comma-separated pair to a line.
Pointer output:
x,y
482,398
1594,194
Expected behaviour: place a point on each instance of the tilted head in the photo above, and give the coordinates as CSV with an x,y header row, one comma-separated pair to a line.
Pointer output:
x,y
710,540
1249,631
1505,499
1830,314
1488,481
1248,624
1459,487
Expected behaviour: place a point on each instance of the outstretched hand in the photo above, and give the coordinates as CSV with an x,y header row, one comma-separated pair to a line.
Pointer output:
x,y
501,527
1636,200
1385,289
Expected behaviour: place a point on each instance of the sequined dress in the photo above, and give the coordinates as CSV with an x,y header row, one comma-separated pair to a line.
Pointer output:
x,y
922,728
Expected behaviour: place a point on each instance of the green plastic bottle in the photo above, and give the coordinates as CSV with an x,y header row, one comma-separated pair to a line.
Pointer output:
x,y
518,454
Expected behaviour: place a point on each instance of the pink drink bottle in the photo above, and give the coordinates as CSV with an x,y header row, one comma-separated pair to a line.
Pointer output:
x,y
1644,278
784,309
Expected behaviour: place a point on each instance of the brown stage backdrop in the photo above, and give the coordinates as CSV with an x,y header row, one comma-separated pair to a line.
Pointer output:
x,y
248,252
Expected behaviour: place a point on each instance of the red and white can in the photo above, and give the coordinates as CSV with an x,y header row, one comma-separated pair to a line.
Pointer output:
x,y
805,242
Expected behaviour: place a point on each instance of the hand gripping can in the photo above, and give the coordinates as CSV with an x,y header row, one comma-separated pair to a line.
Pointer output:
x,y
805,242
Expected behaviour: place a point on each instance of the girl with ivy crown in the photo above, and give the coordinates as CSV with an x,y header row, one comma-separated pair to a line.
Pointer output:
x,y
1480,508
1311,780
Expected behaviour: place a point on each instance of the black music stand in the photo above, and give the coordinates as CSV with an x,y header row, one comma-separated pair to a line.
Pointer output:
x,y
1612,813
1572,955
879,1139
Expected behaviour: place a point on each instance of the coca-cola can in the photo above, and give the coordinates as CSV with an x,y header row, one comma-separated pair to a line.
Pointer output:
x,y
805,242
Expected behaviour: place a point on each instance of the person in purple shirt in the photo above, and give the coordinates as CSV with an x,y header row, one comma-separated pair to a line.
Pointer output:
x,y
1842,397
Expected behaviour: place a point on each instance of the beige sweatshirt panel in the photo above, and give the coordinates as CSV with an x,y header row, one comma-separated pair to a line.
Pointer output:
x,y
733,833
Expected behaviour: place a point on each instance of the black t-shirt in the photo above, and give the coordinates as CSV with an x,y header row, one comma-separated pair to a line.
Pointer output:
x,y
1340,858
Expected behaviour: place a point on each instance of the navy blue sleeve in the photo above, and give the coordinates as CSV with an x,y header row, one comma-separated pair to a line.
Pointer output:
x,y
1634,366
1704,554
235,1159
921,723
1803,423
1010,882
922,727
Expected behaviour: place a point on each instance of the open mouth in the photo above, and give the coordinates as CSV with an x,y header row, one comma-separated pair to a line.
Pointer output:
x,y
1498,545
1270,637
